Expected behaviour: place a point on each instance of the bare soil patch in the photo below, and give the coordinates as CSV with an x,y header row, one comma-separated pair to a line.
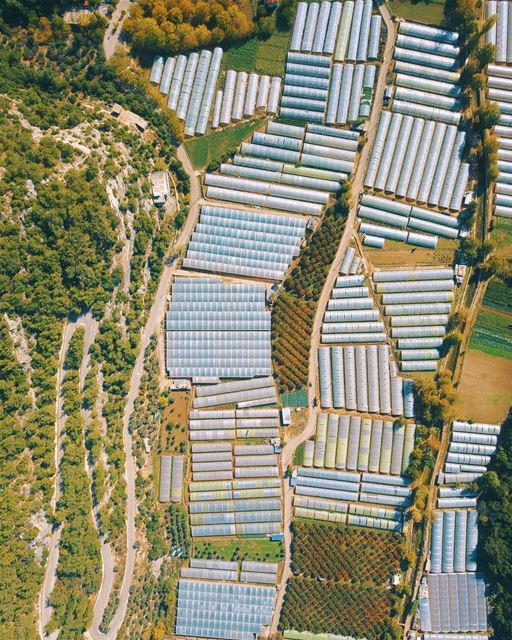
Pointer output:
x,y
485,391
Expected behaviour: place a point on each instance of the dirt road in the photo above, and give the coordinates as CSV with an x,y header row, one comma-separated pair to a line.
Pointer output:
x,y
114,28
152,326
357,186
90,327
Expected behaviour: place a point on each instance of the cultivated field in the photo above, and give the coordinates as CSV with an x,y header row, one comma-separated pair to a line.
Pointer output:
x,y
485,391
346,554
266,57
293,312
492,333
340,608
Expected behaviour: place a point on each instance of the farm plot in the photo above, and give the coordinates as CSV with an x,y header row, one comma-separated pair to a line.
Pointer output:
x,y
501,236
486,387
345,609
493,334
344,554
498,297
261,56
217,145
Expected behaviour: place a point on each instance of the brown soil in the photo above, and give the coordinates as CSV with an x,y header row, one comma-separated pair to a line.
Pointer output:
x,y
485,391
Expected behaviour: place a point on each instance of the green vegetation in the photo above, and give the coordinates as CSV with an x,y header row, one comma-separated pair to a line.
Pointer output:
x,y
497,296
261,549
501,235
341,581
494,544
434,399
345,554
61,248
20,572
178,26
294,310
79,564
342,608
298,456
163,526
492,334
426,11
216,147
266,57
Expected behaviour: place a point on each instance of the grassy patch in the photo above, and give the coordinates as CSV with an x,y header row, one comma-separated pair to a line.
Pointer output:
x,y
206,149
298,456
408,256
242,549
426,12
501,235
493,334
266,57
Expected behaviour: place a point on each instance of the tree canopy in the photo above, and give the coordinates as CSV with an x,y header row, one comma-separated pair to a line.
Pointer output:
x,y
495,525
172,26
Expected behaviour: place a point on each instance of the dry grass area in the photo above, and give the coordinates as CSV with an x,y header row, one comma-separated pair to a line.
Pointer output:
x,y
485,391
405,255
175,422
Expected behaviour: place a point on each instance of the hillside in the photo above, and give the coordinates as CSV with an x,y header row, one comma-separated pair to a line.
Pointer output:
x,y
79,234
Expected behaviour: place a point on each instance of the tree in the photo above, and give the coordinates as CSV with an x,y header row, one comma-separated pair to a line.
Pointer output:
x,y
495,524
462,16
485,54
285,14
266,27
477,82
487,116
468,251
453,339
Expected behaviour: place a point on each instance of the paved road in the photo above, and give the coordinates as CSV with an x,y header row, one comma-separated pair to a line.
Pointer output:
x,y
90,326
112,33
152,326
357,185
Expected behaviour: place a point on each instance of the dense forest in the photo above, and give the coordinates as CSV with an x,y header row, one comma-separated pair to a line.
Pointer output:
x,y
495,525
66,163
178,26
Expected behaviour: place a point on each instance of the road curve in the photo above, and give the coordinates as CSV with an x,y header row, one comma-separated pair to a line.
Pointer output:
x,y
152,326
89,325
357,186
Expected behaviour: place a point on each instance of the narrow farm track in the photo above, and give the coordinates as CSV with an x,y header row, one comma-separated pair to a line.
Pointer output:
x,y
153,325
44,610
357,186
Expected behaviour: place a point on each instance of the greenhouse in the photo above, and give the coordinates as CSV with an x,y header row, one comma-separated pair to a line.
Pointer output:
x,y
471,447
455,603
361,444
361,378
205,351
218,610
243,242
418,159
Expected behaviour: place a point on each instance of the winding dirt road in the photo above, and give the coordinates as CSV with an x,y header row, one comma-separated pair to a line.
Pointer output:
x,y
90,326
357,186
